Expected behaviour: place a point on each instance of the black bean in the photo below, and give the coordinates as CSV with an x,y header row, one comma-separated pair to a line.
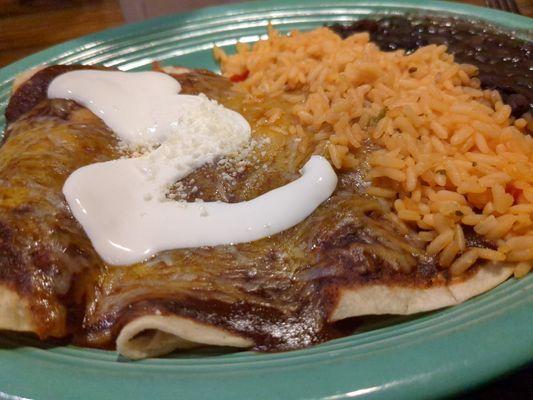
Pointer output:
x,y
519,103
366,25
441,39
505,62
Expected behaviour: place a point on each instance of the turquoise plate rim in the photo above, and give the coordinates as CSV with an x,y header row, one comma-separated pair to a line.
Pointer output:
x,y
434,355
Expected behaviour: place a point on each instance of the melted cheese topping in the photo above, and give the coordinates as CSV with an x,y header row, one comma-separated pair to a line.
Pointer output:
x,y
122,204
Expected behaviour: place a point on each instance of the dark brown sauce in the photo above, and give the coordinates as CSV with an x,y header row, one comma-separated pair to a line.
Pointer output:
x,y
44,253
33,91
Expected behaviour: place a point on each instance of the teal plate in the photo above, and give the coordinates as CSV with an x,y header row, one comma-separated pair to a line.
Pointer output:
x,y
429,356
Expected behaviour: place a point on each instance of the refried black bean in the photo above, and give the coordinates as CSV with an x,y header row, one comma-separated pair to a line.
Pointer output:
x,y
505,62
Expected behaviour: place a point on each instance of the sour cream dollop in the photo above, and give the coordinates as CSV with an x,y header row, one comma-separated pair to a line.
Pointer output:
x,y
122,205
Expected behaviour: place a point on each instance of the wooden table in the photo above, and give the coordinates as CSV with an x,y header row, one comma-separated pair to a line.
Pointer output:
x,y
27,26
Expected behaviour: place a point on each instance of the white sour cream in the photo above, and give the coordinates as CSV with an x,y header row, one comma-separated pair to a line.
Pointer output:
x,y
121,204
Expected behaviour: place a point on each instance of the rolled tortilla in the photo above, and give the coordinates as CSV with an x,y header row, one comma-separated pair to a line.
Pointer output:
x,y
382,299
156,335
15,312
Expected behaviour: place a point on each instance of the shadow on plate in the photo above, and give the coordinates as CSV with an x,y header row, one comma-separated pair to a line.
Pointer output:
x,y
15,340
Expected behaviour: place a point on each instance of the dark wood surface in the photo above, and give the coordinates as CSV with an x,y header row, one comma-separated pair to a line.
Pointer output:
x,y
27,26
